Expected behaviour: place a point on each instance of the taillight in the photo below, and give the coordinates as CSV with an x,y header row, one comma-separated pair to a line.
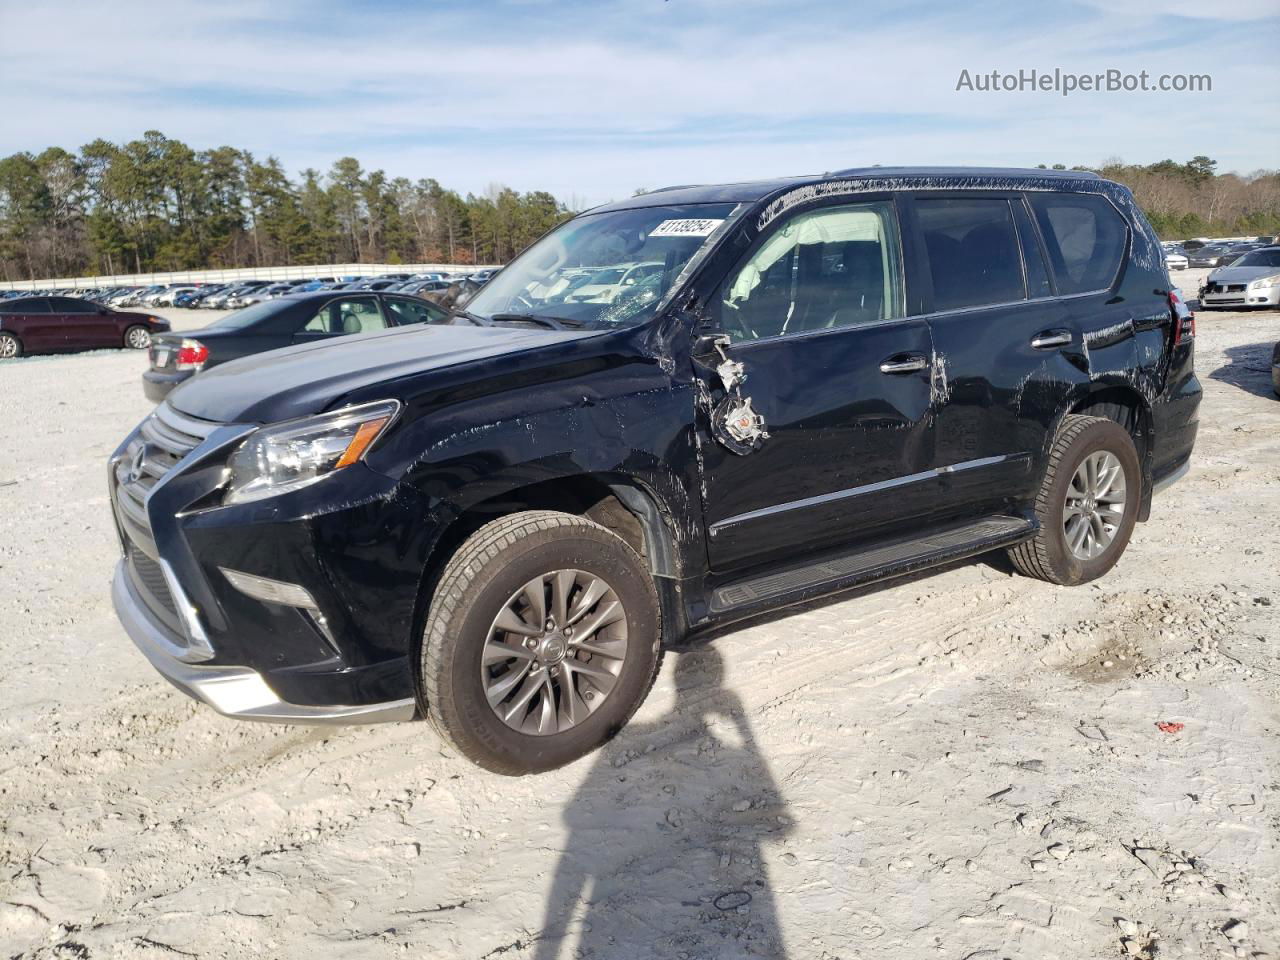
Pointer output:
x,y
192,355
1184,320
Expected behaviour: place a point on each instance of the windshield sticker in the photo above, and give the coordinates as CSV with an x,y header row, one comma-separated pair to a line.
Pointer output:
x,y
685,228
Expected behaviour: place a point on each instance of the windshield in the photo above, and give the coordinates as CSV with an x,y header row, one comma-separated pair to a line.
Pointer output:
x,y
606,269
1259,258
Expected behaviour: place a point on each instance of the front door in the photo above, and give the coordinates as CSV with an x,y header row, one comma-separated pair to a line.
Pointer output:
x,y
83,326
842,380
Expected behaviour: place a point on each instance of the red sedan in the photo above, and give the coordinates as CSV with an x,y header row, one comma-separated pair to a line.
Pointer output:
x,y
51,324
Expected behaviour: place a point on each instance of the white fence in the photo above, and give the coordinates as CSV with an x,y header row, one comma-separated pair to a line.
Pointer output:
x,y
334,270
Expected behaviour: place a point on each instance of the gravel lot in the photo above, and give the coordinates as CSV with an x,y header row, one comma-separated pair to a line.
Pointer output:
x,y
964,765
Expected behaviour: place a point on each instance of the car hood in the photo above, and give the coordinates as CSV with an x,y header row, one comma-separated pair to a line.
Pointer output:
x,y
1241,274
299,381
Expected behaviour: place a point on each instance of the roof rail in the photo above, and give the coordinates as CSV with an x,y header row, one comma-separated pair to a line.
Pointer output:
x,y
678,186
877,171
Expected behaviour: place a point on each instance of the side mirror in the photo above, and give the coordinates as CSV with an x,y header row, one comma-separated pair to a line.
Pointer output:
x,y
710,346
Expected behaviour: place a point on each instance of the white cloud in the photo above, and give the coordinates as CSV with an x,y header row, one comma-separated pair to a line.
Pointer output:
x,y
599,101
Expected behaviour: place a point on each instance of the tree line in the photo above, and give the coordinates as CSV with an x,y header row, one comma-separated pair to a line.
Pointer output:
x,y
1184,200
156,204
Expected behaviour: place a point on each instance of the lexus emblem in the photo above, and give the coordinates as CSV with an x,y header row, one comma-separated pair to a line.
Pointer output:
x,y
137,464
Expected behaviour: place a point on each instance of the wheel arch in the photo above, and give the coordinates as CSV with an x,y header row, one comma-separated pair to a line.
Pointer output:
x,y
1120,402
623,504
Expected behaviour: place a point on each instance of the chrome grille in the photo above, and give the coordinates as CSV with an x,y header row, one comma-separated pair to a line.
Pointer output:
x,y
166,437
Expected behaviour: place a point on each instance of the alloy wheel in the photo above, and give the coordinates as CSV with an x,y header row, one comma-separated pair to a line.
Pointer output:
x,y
1094,505
139,339
8,348
554,652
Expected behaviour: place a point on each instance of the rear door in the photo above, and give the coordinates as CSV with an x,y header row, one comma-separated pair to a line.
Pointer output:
x,y
1009,350
815,311
36,325
341,316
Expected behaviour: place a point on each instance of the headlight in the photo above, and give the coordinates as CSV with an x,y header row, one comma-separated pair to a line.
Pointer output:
x,y
1263,283
293,455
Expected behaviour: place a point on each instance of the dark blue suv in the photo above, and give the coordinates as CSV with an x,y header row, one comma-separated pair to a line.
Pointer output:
x,y
669,413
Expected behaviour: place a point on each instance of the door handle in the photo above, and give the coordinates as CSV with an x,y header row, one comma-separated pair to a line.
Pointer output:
x,y
904,363
1046,339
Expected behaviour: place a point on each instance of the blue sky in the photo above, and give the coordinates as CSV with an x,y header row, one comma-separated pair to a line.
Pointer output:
x,y
593,99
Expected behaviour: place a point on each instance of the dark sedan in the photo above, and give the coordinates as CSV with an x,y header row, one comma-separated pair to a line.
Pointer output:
x,y
54,324
281,322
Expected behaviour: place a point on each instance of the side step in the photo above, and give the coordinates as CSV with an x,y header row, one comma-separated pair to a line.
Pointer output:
x,y
874,563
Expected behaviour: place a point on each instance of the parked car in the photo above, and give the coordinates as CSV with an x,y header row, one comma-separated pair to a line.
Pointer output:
x,y
221,301
1210,255
300,318
258,294
1252,280
504,522
1176,259
55,324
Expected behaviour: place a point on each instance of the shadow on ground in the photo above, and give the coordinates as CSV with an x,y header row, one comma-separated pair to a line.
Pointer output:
x,y
667,837
1249,368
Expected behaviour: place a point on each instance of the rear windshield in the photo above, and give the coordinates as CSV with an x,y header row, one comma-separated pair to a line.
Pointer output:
x,y
248,316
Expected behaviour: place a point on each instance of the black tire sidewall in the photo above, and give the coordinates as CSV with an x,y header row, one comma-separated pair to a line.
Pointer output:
x,y
1113,438
594,551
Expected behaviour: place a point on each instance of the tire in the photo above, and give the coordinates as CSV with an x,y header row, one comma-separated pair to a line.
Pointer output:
x,y
487,578
1050,555
10,346
137,337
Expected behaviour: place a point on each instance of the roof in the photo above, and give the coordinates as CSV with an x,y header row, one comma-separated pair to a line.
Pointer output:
x,y
749,191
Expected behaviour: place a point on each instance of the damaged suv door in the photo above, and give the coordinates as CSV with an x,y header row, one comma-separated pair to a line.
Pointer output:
x,y
827,437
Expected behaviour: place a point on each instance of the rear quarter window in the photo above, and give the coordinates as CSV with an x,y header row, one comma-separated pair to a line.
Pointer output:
x,y
1086,239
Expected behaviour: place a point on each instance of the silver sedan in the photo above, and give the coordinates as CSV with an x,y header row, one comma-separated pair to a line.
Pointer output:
x,y
1253,280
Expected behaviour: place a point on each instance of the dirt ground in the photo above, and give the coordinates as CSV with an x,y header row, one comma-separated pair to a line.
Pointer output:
x,y
963,765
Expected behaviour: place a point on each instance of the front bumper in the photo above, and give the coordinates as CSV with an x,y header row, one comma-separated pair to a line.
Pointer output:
x,y
1265,297
356,543
232,690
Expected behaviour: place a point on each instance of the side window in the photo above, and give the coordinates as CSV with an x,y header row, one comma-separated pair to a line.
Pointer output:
x,y
831,268
403,311
1037,273
70,305
972,250
347,315
1086,238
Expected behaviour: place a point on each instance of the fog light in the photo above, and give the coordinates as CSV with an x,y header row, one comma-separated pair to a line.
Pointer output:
x,y
270,591
283,594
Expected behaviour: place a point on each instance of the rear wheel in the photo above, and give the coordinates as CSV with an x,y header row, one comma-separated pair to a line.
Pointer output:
x,y
10,346
137,338
542,640
1087,505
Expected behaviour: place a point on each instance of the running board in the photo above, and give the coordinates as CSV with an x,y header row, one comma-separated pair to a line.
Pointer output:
x,y
874,563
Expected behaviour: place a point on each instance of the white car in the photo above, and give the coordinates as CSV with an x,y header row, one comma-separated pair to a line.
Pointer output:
x,y
605,285
1176,261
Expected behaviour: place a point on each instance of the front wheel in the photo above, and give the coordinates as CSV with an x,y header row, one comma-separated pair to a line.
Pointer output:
x,y
1087,505
137,338
542,639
